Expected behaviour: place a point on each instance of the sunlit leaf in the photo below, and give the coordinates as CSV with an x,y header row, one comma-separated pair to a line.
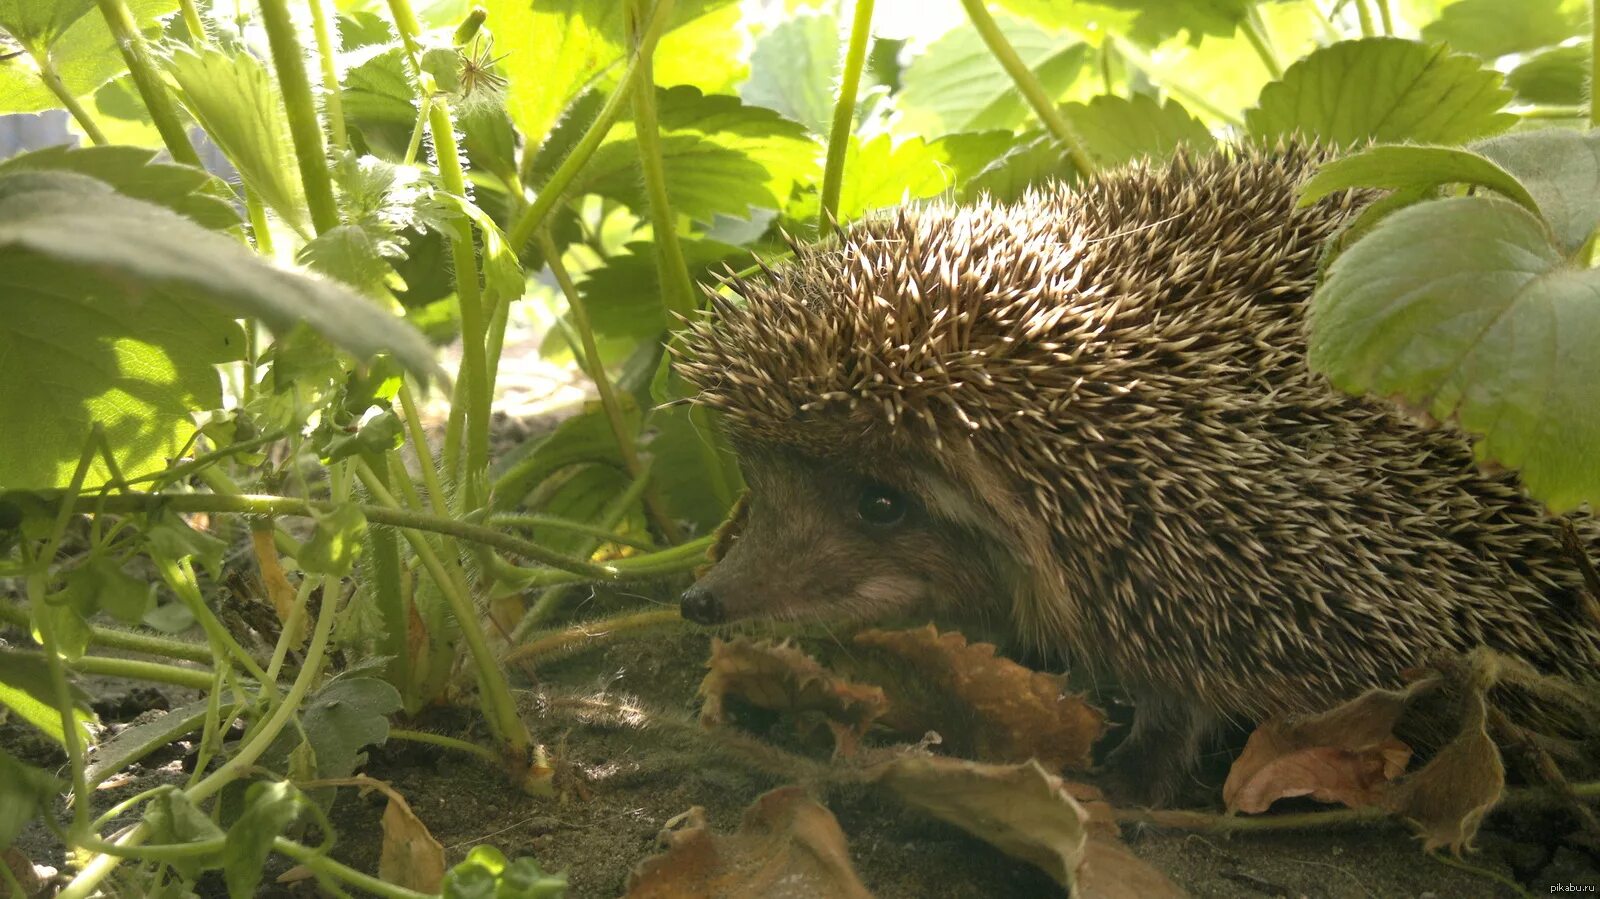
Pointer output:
x,y
1118,129
1413,167
77,41
133,171
793,69
1383,89
1491,28
25,689
956,84
1556,77
1465,308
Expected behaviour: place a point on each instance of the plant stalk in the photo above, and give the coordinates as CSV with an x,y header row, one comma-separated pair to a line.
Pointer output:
x,y
127,640
550,194
331,94
289,61
677,287
52,80
1365,15
1032,91
844,112
148,81
1255,31
608,395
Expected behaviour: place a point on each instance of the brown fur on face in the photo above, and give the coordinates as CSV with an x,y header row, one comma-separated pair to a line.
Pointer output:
x,y
804,550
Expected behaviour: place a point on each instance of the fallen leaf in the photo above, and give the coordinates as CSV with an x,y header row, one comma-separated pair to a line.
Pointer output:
x,y
1346,755
409,856
983,706
782,678
1449,796
23,871
787,847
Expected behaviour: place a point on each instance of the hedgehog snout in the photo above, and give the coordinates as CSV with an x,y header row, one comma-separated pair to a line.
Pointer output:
x,y
700,605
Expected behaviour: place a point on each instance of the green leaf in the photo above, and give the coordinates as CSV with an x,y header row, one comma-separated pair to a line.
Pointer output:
x,y
133,172
881,173
1413,167
58,230
78,44
1383,89
583,438
25,690
347,714
1158,20
174,819
270,807
1027,164
794,67
354,255
485,874
956,84
1557,77
378,96
1561,170
133,743
92,331
1119,129
238,104
116,592
23,790
1491,28
170,537
68,613
335,542
720,156
1463,307
556,48
623,296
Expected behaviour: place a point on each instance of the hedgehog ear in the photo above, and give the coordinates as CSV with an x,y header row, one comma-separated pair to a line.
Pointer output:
x,y
974,493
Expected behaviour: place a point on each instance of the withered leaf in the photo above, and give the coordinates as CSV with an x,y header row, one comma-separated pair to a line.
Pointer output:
x,y
984,705
787,847
782,678
1449,796
1346,755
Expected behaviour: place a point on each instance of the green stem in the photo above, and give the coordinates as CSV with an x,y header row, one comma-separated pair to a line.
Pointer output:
x,y
532,218
319,863
1043,104
677,286
71,737
247,504
1365,15
1256,32
193,23
127,640
500,707
602,383
681,558
414,146
148,81
1385,17
1594,64
844,112
291,626
136,669
180,577
425,457
473,375
603,534
258,222
451,743
389,592
1555,112
52,80
304,129
331,94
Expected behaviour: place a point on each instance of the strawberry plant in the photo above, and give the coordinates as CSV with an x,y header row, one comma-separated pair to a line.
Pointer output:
x,y
224,314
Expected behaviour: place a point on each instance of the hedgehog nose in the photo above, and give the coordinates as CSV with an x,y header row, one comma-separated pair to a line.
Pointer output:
x,y
701,606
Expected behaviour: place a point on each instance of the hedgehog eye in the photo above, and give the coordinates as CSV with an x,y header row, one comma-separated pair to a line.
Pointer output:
x,y
881,505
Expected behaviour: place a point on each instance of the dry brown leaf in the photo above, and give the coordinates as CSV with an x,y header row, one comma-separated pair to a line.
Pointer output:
x,y
787,847
279,590
1449,796
1001,711
782,678
23,871
1110,870
1346,755
410,856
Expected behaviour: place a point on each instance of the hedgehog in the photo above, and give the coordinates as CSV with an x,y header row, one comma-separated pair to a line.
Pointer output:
x,y
1085,420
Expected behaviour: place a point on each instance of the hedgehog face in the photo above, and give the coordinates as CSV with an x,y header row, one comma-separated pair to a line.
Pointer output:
x,y
824,541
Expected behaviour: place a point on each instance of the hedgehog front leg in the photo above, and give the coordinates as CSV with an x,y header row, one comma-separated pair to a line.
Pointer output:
x,y
1156,762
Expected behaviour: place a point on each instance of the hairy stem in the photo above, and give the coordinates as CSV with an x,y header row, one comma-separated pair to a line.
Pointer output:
x,y
131,641
148,81
289,62
52,80
844,113
1043,104
602,382
331,95
550,194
